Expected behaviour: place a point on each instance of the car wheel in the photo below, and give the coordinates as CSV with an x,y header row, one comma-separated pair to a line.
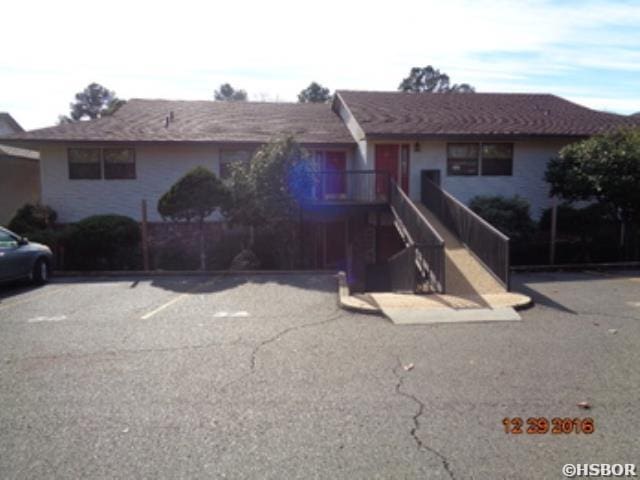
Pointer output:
x,y
41,272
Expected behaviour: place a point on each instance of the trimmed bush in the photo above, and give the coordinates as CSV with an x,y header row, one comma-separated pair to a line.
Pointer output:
x,y
49,237
32,217
509,215
195,196
103,242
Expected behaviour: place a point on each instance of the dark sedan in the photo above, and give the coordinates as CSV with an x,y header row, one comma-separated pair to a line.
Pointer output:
x,y
21,259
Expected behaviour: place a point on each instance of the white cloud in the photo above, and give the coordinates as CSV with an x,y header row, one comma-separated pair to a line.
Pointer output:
x,y
186,49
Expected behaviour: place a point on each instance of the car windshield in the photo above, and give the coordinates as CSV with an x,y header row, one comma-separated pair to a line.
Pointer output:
x,y
7,240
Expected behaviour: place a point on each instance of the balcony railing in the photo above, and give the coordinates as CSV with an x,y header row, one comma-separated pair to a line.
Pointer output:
x,y
350,186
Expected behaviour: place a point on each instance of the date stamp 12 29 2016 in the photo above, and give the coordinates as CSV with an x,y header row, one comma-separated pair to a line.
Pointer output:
x,y
542,425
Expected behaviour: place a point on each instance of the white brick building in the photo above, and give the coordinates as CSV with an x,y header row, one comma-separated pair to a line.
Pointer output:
x,y
470,143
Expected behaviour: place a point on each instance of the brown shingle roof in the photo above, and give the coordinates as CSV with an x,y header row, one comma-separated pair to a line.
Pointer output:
x,y
503,114
202,121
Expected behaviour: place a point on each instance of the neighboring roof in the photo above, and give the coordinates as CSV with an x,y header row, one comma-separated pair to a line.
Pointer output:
x,y
8,120
201,121
8,151
399,114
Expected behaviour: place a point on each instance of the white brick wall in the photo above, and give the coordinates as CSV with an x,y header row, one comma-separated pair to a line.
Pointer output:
x,y
157,168
529,163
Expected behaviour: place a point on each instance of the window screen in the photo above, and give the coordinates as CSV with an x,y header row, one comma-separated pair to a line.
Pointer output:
x,y
119,163
84,163
462,158
497,159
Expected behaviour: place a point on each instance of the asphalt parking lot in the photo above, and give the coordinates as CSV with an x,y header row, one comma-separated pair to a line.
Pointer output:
x,y
264,377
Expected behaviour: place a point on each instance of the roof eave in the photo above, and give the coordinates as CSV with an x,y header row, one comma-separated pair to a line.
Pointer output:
x,y
470,136
35,144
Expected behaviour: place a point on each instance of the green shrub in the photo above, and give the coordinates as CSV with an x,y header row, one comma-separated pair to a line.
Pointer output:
x,y
509,215
110,242
49,237
32,217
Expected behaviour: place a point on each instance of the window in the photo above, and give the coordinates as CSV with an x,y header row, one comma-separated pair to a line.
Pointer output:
x,y
480,158
228,158
89,163
84,164
462,158
497,159
119,163
7,240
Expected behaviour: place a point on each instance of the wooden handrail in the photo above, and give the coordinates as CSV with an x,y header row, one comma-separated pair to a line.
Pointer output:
x,y
468,210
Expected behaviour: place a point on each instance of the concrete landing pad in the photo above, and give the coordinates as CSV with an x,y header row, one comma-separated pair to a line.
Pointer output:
x,y
416,316
407,309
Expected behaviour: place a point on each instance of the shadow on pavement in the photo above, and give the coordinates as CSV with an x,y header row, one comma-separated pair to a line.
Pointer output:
x,y
318,281
525,283
216,283
540,298
9,290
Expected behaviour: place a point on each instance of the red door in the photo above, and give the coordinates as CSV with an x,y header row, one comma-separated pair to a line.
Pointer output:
x,y
386,161
394,160
336,182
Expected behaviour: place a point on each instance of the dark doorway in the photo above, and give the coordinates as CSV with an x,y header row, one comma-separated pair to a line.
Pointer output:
x,y
336,245
389,243
432,175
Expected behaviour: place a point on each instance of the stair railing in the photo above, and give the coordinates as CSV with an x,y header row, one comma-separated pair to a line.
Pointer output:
x,y
486,242
420,234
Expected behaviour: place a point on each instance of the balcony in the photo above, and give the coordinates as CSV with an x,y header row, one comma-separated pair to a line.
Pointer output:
x,y
350,187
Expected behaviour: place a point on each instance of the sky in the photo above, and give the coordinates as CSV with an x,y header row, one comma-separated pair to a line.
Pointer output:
x,y
585,51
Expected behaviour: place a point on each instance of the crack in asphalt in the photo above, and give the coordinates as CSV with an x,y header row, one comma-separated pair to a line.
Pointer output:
x,y
420,445
254,354
282,333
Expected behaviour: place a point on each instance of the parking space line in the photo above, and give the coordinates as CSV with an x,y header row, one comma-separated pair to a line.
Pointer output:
x,y
35,296
195,289
163,306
